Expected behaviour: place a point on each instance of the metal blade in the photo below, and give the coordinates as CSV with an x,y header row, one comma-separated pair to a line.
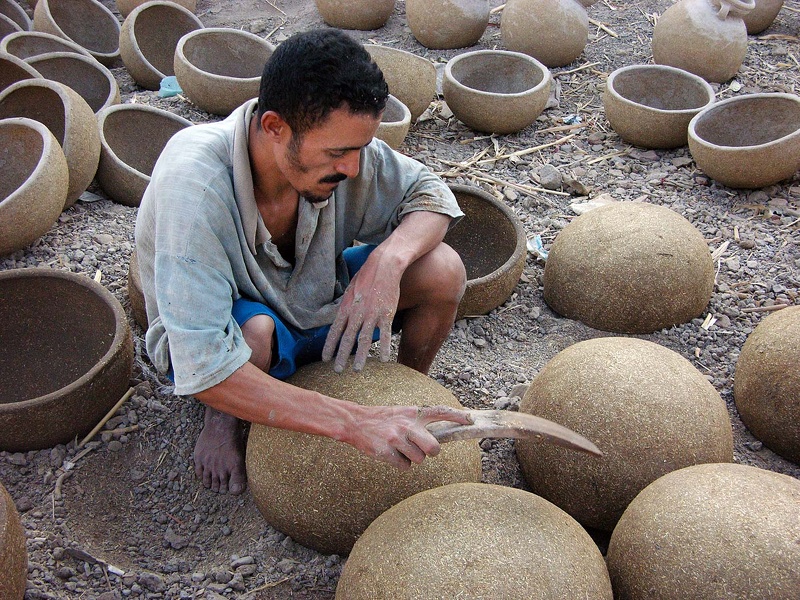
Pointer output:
x,y
508,424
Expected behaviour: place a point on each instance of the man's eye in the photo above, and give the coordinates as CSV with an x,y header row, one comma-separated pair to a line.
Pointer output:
x,y
336,154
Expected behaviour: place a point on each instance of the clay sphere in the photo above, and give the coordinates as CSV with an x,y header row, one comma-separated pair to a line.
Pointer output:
x,y
25,44
492,244
651,105
749,141
411,78
125,7
496,91
219,69
710,531
88,23
13,69
395,122
93,82
69,118
11,10
471,541
646,407
629,268
447,24
762,16
767,383
355,14
60,375
135,293
13,553
552,31
33,186
132,137
325,493
149,37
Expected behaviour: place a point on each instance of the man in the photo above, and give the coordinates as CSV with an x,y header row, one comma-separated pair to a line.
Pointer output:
x,y
244,242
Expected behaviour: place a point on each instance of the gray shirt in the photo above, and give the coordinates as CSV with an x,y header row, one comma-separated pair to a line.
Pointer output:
x,y
201,244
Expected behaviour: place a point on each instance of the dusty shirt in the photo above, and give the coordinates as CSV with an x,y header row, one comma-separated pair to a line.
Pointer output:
x,y
201,244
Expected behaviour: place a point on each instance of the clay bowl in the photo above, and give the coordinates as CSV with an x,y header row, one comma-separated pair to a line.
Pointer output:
x,y
13,553
13,11
8,26
491,241
496,91
411,78
69,118
60,374
33,183
149,37
749,141
651,105
25,44
85,75
395,123
86,22
125,7
219,69
135,293
132,137
13,69
364,15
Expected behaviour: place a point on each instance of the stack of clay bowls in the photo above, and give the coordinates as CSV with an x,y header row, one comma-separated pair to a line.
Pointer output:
x,y
88,23
33,186
355,14
93,82
125,7
411,78
60,375
25,44
132,137
12,18
395,122
219,69
149,37
13,69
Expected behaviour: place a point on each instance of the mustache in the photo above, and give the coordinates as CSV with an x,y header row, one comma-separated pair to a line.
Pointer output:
x,y
334,178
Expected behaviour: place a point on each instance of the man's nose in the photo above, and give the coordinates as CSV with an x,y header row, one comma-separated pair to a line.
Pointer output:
x,y
349,164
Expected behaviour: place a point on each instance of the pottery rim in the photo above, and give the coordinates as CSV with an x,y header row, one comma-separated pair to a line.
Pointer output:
x,y
544,71
113,92
736,8
179,51
8,25
20,17
395,122
666,68
69,46
107,58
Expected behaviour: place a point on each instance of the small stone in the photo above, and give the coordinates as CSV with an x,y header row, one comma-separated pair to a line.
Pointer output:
x,y
479,342
244,560
755,446
57,455
550,178
247,570
18,458
733,263
65,572
103,239
151,582
681,161
226,530
114,446
747,244
223,576
285,565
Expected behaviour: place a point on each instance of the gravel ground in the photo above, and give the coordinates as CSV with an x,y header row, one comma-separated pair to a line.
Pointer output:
x,y
125,516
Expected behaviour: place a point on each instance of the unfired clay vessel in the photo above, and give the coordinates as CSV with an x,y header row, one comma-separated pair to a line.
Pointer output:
x,y
552,31
94,82
395,123
705,37
496,91
88,23
125,7
411,78
762,16
444,24
33,187
149,37
12,10
69,118
13,69
748,141
355,14
13,553
25,44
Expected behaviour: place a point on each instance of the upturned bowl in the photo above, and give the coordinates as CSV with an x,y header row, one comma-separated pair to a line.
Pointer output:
x,y
748,141
492,244
24,44
411,78
125,7
68,117
66,356
395,123
651,105
13,11
496,91
13,69
364,15
94,82
149,37
132,137
13,553
136,293
219,69
33,183
88,23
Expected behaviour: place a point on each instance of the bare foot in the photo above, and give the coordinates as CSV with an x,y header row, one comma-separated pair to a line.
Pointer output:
x,y
219,454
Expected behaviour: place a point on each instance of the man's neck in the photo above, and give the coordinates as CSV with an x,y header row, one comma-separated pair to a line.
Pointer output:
x,y
269,183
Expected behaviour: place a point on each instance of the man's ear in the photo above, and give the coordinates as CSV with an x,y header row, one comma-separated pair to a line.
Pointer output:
x,y
273,125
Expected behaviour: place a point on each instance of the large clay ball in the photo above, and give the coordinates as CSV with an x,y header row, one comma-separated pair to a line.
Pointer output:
x,y
710,531
472,541
646,407
554,32
629,267
13,554
767,383
325,493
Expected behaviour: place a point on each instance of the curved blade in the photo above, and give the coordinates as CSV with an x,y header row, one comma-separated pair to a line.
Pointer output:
x,y
508,424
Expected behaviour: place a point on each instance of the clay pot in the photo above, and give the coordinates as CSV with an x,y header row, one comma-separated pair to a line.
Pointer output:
x,y
411,78
705,37
651,105
60,374
552,31
132,137
491,242
13,11
33,186
136,294
219,69
446,24
94,82
355,14
148,40
749,141
395,123
88,23
25,44
13,553
125,7
496,91
69,118
13,69
762,16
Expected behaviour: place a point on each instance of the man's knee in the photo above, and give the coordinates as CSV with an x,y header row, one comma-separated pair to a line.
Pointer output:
x,y
440,275
259,334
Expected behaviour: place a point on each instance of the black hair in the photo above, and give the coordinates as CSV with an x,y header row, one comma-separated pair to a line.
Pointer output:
x,y
315,72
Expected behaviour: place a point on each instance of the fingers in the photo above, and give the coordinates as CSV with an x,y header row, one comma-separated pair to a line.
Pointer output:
x,y
429,414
